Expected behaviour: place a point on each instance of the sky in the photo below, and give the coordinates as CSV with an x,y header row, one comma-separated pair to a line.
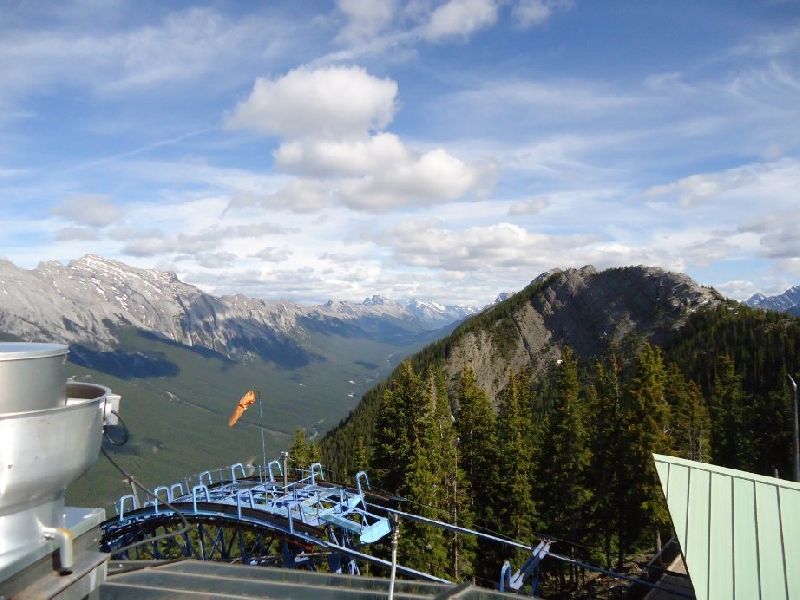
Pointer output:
x,y
445,150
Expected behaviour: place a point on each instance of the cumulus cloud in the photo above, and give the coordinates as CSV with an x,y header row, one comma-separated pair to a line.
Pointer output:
x,y
783,241
94,210
332,118
530,207
273,254
739,288
350,157
252,230
434,177
698,188
504,245
707,252
328,102
211,260
460,18
301,196
530,13
155,242
364,19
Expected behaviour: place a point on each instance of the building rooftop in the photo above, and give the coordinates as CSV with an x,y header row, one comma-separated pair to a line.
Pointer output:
x,y
740,532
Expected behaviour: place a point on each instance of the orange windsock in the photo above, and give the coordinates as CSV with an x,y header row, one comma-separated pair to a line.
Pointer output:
x,y
246,400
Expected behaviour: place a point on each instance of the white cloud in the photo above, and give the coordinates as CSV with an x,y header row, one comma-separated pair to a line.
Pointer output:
x,y
493,247
530,13
782,239
529,207
95,210
154,243
756,190
327,102
434,177
699,188
739,288
177,47
364,19
211,260
332,151
300,196
272,254
460,18
349,157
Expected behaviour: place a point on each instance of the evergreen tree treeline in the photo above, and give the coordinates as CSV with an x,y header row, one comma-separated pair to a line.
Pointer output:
x,y
569,455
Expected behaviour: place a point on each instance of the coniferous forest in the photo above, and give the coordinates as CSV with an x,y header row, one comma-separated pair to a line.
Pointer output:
x,y
568,455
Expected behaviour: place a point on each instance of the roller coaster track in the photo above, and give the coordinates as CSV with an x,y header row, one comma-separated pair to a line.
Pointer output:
x,y
254,520
301,522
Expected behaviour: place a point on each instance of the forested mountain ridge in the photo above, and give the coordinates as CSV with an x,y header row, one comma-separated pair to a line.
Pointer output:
x,y
542,415
587,310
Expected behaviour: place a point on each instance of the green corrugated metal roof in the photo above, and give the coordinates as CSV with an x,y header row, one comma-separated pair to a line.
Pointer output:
x,y
740,532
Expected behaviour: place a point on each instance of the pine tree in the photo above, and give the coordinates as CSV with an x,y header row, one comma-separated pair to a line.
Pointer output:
x,y
452,488
476,425
646,419
730,414
513,505
411,459
303,452
360,457
564,456
605,433
690,419
399,428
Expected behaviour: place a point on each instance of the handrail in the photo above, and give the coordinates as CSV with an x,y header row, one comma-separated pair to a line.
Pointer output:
x,y
233,471
155,496
178,485
269,468
319,466
134,504
200,488
239,496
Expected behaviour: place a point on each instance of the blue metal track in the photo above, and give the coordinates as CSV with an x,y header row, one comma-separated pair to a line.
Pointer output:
x,y
308,512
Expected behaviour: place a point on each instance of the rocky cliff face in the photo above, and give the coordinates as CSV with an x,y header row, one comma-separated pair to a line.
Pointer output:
x,y
581,308
88,300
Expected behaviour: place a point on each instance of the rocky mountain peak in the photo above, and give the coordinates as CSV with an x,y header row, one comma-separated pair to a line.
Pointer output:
x,y
789,301
584,309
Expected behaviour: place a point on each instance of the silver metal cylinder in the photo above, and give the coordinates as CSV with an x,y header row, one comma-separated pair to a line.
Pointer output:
x,y
41,452
32,376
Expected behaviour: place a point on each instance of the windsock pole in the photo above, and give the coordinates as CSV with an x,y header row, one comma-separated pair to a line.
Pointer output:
x,y
261,416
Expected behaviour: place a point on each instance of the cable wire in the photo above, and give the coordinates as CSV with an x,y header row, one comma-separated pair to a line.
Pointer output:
x,y
185,524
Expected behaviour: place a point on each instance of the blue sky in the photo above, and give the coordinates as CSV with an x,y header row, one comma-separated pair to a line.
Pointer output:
x,y
447,150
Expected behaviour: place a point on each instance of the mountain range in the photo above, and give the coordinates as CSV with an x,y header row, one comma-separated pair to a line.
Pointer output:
x,y
181,357
86,302
788,302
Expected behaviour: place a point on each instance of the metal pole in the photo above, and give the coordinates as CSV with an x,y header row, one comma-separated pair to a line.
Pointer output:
x,y
795,435
263,447
395,534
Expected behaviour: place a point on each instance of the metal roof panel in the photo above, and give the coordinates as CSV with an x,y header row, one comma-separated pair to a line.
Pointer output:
x,y
740,532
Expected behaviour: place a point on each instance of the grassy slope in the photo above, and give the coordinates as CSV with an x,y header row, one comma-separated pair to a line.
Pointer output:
x,y
178,422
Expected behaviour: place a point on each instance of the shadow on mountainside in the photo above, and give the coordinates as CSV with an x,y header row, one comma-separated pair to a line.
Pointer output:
x,y
121,364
